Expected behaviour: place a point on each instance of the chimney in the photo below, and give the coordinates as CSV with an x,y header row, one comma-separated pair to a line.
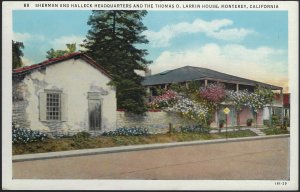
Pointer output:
x,y
147,72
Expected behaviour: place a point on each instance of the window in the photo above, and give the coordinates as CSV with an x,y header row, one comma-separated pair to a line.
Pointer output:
x,y
53,105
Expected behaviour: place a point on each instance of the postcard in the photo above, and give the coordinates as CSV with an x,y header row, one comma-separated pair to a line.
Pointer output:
x,y
156,95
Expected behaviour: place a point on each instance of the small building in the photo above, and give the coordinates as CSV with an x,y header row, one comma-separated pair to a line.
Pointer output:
x,y
64,95
203,77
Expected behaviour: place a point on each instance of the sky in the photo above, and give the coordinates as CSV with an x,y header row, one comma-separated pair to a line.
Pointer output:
x,y
249,44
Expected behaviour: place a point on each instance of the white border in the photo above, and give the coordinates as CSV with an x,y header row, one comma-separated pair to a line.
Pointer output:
x,y
8,183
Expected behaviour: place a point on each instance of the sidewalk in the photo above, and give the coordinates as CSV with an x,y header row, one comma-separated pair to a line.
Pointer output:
x,y
255,130
82,152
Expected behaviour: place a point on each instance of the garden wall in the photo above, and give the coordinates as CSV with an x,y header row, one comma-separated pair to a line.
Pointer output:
x,y
155,121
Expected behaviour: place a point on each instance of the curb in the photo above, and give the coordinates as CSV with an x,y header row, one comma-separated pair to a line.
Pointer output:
x,y
73,153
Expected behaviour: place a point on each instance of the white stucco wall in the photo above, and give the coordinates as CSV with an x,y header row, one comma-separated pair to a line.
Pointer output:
x,y
75,78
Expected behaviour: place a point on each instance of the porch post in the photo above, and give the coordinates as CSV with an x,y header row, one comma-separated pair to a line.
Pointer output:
x,y
216,117
270,115
186,85
165,87
205,82
237,87
281,96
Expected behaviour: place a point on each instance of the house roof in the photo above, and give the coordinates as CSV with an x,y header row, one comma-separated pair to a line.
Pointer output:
x,y
76,55
189,73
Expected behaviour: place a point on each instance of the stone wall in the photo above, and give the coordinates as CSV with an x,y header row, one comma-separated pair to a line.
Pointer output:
x,y
154,121
19,115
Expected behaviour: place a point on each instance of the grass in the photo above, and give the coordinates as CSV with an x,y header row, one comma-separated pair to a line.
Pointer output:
x,y
275,131
72,143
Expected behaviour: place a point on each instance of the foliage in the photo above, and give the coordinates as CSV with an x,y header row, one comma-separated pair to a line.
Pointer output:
x,y
21,135
127,132
265,94
238,98
63,144
276,121
112,42
190,109
17,53
275,131
168,98
188,89
196,128
214,93
260,98
221,122
249,122
81,136
71,48
286,121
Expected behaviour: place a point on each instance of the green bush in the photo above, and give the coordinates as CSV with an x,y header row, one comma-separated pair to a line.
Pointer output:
x,y
221,122
249,121
276,120
275,131
286,121
80,136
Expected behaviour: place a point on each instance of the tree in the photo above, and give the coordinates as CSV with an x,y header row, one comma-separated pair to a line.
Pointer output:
x,y
259,99
266,97
17,53
214,93
71,48
112,42
182,104
239,99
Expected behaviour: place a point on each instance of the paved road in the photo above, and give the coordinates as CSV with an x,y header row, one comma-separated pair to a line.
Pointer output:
x,y
257,159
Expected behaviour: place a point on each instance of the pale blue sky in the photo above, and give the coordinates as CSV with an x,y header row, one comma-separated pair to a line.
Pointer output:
x,y
245,43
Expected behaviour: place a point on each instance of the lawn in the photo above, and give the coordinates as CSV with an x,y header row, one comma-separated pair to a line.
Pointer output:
x,y
74,143
275,131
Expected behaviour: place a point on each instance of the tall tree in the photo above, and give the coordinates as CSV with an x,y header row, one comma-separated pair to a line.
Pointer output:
x,y
112,41
71,48
17,53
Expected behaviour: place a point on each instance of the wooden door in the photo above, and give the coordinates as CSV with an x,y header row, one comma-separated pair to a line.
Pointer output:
x,y
95,114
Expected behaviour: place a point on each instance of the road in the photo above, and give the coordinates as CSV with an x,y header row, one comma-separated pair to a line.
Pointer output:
x,y
256,159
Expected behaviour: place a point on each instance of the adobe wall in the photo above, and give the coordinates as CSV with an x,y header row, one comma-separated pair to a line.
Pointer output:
x,y
155,121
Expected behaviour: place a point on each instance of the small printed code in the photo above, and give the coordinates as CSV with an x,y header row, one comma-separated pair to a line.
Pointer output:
x,y
280,183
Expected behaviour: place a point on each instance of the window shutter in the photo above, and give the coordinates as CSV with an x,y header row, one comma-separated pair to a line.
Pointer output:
x,y
42,98
64,107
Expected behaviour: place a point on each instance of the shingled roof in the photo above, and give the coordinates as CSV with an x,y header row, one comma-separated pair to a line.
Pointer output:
x,y
189,73
76,55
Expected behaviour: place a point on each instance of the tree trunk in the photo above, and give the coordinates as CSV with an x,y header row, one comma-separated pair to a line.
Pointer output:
x,y
238,119
256,119
217,118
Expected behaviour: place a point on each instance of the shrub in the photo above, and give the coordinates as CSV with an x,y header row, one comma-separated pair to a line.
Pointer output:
x,y
221,122
249,122
275,131
81,136
195,128
21,135
124,131
286,121
276,120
